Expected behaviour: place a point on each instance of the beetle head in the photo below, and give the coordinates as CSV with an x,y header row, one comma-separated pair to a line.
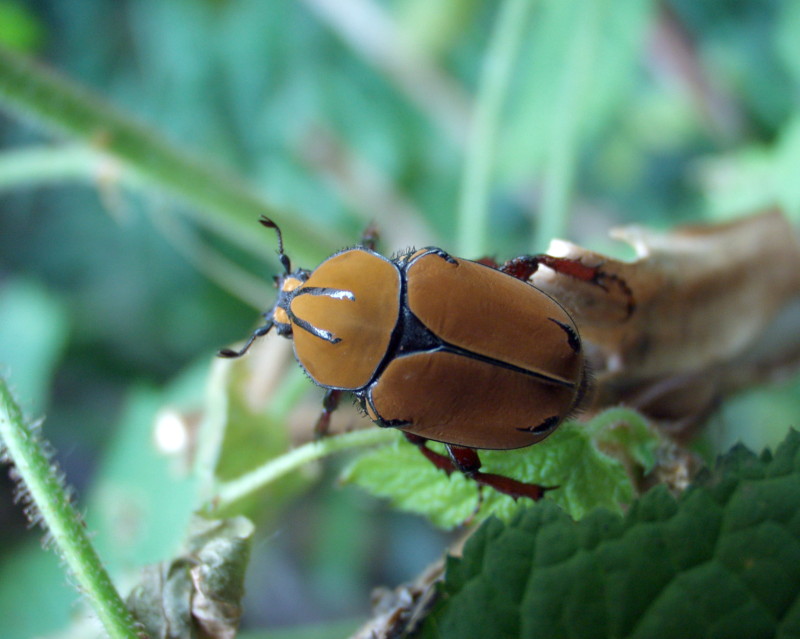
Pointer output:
x,y
286,282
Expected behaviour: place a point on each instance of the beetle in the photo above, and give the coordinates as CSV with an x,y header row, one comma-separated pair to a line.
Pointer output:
x,y
446,349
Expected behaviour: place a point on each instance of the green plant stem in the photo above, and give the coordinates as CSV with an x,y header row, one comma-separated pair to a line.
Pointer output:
x,y
43,488
232,491
473,223
40,165
562,156
216,199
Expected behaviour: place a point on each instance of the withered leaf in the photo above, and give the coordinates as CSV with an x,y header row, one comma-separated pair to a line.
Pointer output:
x,y
708,302
197,594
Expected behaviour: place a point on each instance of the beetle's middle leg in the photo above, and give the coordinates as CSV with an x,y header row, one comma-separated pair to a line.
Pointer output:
x,y
467,461
330,402
525,266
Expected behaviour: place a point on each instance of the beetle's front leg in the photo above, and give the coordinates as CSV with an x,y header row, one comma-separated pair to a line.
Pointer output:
x,y
525,266
330,402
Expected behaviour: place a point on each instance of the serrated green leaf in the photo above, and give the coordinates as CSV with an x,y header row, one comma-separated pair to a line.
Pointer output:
x,y
586,478
401,474
722,561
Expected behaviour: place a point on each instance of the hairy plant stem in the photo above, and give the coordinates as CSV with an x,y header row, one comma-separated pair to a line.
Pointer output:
x,y
48,503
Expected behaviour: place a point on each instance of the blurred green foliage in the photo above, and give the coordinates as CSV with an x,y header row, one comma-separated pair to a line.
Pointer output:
x,y
688,111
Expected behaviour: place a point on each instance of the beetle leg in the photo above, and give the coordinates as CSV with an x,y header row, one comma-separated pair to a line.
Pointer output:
x,y
330,402
259,332
525,266
467,461
369,238
511,487
440,461
489,261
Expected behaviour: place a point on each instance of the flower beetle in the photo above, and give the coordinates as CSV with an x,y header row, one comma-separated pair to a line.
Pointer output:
x,y
445,349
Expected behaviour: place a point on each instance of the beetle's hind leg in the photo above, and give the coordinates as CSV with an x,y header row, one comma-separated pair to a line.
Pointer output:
x,y
525,266
467,461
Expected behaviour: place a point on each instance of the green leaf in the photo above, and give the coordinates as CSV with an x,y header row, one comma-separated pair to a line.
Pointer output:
x,y
722,561
587,478
141,500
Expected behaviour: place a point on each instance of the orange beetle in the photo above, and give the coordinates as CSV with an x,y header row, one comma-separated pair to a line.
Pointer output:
x,y
442,348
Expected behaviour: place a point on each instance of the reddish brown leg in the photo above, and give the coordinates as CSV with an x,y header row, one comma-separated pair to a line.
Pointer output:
x,y
525,266
467,461
329,404
369,238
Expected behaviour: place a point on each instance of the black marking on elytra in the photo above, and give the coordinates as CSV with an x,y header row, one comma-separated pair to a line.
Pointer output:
x,y
572,337
547,425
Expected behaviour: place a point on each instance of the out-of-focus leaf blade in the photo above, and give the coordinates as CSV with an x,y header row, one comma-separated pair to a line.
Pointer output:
x,y
622,27
34,332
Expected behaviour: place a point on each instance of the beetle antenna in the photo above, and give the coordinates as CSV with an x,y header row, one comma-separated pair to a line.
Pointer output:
x,y
287,264
259,332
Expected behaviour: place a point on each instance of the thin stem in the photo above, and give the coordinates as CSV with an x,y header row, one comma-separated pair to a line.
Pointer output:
x,y
40,165
473,223
562,157
42,488
232,491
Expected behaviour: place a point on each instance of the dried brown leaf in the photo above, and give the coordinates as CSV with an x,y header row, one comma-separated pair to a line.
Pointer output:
x,y
197,594
709,316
